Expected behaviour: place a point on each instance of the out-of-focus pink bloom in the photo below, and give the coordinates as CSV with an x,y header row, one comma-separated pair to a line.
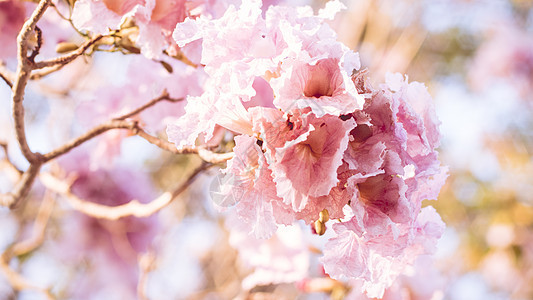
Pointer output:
x,y
506,55
106,248
282,259
500,270
12,15
422,281
111,101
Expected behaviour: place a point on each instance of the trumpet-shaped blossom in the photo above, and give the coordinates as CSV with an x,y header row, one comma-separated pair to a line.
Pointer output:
x,y
306,165
324,86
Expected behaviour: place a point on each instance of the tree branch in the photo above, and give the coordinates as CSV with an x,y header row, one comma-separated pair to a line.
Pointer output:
x,y
39,227
146,264
122,123
21,188
164,96
12,166
63,60
132,208
37,160
24,68
47,71
20,283
205,154
113,124
6,75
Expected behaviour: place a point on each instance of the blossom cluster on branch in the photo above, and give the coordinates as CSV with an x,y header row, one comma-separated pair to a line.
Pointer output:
x,y
314,141
313,138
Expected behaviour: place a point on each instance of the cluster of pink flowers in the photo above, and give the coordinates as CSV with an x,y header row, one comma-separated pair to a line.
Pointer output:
x,y
311,135
156,19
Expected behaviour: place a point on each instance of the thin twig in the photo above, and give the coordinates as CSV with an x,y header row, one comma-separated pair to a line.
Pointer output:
x,y
21,188
205,154
164,96
146,265
39,227
24,68
20,283
12,166
63,60
6,75
23,247
132,208
113,124
47,71
121,123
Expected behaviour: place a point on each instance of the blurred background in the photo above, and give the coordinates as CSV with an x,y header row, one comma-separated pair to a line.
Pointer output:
x,y
475,57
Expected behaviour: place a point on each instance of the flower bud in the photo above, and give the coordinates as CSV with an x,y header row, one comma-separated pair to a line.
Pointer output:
x,y
323,216
65,47
167,66
320,228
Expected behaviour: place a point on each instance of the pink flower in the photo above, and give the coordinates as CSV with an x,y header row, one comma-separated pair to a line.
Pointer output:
x,y
249,184
304,159
310,137
377,260
391,166
107,249
156,19
422,281
324,87
111,101
203,114
242,54
282,259
334,201
12,15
